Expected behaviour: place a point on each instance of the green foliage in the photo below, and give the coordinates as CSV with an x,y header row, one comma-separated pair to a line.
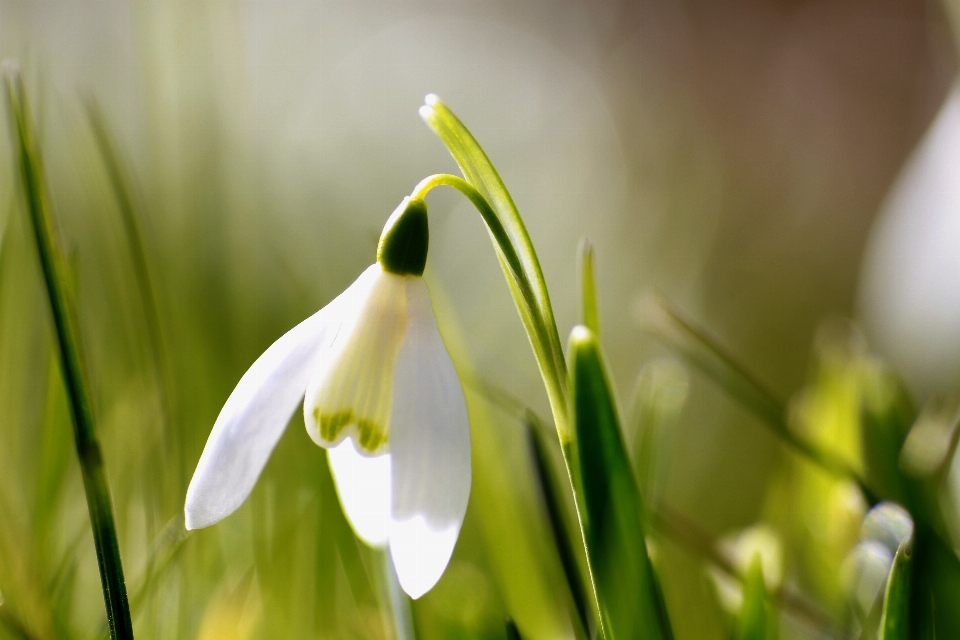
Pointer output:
x,y
705,353
895,620
758,616
513,633
886,416
551,490
588,288
631,603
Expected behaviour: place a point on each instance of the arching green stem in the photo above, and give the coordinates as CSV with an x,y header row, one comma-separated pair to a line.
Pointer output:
x,y
480,173
537,319
518,259
539,329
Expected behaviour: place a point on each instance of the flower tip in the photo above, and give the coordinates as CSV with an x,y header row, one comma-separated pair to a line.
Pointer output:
x,y
188,520
199,512
421,553
431,99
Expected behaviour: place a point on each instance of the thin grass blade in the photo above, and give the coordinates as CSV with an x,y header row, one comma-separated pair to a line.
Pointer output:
x,y
57,280
393,600
588,288
549,489
895,622
130,215
513,633
895,619
885,418
704,353
660,394
758,617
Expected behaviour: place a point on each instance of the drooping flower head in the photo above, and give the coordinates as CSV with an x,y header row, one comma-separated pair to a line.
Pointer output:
x,y
380,393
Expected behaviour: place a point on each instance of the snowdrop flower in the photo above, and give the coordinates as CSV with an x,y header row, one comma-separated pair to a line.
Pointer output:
x,y
380,394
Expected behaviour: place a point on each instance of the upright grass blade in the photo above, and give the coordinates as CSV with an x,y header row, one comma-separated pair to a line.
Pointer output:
x,y
659,396
688,535
757,619
631,604
551,499
895,621
56,278
588,288
513,633
163,552
891,525
126,203
886,415
704,353
13,626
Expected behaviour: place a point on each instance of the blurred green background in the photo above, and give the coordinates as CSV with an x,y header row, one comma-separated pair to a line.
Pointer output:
x,y
729,155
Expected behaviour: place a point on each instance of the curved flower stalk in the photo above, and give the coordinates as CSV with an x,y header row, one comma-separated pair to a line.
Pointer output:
x,y
380,394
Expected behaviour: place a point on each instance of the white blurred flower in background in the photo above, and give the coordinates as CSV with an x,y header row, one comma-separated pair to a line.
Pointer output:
x,y
910,283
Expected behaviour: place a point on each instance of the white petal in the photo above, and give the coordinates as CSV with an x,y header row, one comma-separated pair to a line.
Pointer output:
x,y
363,485
421,552
256,414
351,392
430,445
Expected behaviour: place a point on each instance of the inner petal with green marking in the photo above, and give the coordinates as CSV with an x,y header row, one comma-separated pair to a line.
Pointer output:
x,y
352,395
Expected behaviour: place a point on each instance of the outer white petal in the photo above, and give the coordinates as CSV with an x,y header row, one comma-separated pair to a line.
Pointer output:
x,y
256,414
363,486
430,445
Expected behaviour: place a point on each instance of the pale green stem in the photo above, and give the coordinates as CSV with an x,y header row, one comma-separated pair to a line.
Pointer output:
x,y
537,319
481,174
552,370
393,595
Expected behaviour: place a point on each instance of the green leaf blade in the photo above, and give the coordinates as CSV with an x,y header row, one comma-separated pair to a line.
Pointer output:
x,y
550,491
588,288
895,620
513,633
630,599
758,617
886,415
